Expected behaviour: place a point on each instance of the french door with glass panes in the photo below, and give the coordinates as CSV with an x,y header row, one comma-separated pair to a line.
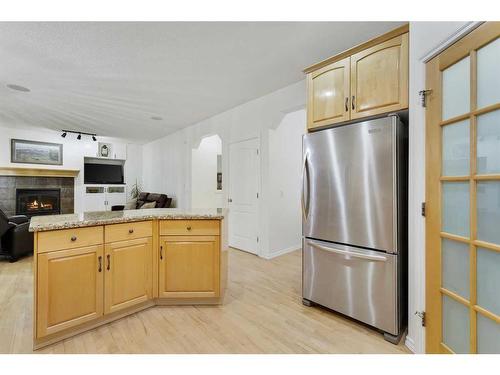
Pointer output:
x,y
463,195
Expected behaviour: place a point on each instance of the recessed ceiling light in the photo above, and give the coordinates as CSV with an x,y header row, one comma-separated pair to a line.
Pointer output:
x,y
156,118
18,88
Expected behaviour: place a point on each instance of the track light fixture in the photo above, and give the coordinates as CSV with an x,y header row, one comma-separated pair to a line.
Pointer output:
x,y
79,136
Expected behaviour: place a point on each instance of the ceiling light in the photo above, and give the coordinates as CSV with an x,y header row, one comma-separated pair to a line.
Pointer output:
x,y
79,136
158,118
18,88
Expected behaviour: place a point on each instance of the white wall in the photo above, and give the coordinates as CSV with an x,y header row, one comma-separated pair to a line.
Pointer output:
x,y
204,193
73,153
167,161
285,168
424,37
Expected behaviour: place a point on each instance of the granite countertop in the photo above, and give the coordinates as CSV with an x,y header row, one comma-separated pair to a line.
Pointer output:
x,y
88,219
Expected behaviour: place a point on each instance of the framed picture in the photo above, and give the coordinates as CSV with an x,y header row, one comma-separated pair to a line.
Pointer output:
x,y
104,150
33,152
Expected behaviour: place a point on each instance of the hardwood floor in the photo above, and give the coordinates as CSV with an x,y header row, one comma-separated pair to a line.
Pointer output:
x,y
263,313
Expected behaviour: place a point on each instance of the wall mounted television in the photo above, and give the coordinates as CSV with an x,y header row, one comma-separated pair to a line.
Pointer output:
x,y
94,173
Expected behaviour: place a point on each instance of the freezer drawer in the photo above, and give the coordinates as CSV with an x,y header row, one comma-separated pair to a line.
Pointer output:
x,y
356,282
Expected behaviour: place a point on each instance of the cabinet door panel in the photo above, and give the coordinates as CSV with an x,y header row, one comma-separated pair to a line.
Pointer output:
x,y
189,266
328,95
70,288
379,78
128,274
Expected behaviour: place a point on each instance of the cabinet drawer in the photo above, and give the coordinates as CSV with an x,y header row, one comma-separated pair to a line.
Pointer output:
x,y
128,231
189,227
69,238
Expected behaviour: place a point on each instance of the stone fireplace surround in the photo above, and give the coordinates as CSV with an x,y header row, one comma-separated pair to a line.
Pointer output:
x,y
9,184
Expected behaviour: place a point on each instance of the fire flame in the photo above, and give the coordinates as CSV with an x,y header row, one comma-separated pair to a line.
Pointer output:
x,y
35,205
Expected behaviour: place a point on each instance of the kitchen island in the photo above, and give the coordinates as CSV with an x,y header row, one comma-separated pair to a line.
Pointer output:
x,y
96,267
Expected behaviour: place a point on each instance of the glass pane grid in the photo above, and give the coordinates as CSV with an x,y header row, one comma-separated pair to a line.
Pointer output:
x,y
472,320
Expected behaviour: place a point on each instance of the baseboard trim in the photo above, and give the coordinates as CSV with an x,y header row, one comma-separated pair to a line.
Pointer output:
x,y
410,344
275,254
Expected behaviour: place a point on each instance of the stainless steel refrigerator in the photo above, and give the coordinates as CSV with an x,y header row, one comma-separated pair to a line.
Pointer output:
x,y
354,205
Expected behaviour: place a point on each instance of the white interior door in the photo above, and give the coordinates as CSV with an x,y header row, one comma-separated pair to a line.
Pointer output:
x,y
243,195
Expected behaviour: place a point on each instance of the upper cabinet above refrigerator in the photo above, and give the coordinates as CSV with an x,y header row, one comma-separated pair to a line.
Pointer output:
x,y
367,80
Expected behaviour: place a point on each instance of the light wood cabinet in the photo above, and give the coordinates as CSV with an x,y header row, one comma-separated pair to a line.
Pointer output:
x,y
65,239
379,78
69,288
128,274
89,276
367,80
128,231
328,94
189,227
189,266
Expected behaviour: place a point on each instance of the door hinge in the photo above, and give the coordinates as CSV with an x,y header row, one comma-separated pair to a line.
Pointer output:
x,y
423,97
257,151
423,209
257,195
421,315
257,238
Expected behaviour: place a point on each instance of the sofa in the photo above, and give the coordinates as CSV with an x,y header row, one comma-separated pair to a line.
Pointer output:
x,y
15,238
161,201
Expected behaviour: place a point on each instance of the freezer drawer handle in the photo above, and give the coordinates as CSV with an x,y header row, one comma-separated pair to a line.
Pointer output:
x,y
376,258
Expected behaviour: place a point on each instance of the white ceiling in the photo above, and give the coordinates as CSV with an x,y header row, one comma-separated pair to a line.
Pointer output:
x,y
111,78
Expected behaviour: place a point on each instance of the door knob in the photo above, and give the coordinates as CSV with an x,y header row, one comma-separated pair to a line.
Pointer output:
x,y
229,200
73,238
131,231
188,228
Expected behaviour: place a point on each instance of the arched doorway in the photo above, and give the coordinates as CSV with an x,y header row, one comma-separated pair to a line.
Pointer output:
x,y
206,173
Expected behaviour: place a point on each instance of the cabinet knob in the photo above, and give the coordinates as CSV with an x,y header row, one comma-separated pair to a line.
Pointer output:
x,y
73,238
188,228
131,231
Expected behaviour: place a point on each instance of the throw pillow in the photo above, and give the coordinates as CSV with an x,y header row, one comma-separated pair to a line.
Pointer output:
x,y
131,205
149,205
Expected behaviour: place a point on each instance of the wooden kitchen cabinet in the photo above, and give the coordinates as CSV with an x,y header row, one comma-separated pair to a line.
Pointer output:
x,y
367,80
69,288
328,94
189,267
379,78
128,274
90,275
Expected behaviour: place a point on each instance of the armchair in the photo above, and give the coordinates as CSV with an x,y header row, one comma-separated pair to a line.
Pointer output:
x,y
15,238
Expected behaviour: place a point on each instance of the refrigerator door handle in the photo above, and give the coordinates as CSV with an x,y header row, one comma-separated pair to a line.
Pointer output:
x,y
376,258
305,206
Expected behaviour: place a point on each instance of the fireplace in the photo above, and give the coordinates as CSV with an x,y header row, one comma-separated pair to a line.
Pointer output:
x,y
34,202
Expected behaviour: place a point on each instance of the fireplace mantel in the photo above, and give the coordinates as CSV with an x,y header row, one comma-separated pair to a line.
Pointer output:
x,y
38,172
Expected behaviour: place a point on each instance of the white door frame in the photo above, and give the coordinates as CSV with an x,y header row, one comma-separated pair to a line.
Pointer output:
x,y
258,251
